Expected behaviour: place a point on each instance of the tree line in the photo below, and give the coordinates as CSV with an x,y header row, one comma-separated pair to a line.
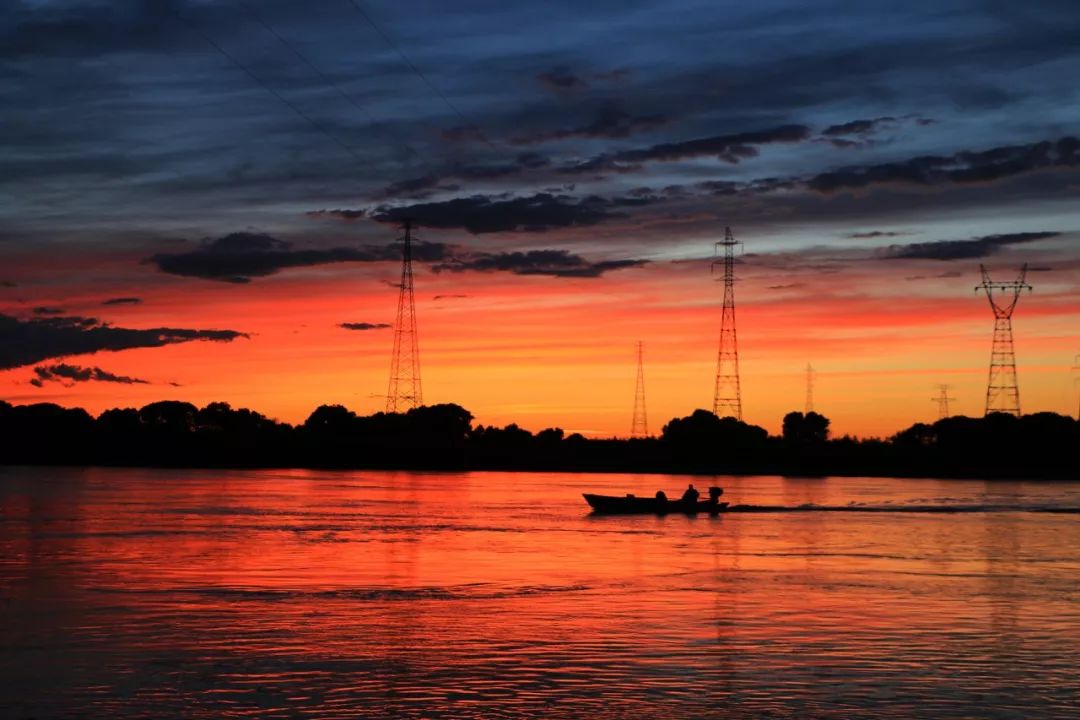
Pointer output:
x,y
180,434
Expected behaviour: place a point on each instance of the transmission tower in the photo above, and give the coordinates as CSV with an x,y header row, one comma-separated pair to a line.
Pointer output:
x,y
1002,391
640,425
405,391
810,388
943,402
1076,368
727,398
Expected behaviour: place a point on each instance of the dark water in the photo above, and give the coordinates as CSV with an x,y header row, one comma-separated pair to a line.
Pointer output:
x,y
208,594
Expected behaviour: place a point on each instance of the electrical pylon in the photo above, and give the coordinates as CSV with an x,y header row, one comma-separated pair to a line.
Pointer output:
x,y
810,388
1076,368
943,402
639,427
1002,390
405,390
727,397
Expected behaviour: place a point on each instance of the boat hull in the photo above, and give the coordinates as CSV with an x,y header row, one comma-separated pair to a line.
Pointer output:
x,y
631,505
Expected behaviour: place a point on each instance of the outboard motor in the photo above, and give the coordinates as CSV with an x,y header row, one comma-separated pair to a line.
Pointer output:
x,y
714,494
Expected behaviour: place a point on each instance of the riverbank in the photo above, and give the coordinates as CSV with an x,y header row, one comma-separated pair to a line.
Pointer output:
x,y
443,437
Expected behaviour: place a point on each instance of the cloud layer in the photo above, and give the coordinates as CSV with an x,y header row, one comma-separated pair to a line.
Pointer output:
x,y
553,263
25,342
963,249
364,326
240,257
70,374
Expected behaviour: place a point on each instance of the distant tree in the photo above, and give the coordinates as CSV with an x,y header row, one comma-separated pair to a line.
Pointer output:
x,y
699,428
221,417
47,432
549,436
332,419
438,426
169,416
809,429
702,433
120,421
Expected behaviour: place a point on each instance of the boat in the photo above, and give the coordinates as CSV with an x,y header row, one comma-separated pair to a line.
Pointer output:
x,y
632,505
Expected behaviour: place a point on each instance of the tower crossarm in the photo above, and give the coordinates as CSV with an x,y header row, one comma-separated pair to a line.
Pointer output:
x,y
1003,307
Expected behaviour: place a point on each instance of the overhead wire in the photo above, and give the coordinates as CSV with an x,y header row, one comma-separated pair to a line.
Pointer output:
x,y
251,74
314,68
355,4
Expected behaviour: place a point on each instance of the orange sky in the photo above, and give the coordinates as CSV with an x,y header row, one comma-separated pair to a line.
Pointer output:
x,y
248,177
544,351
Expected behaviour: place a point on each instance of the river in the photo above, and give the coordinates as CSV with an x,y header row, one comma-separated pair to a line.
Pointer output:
x,y
134,593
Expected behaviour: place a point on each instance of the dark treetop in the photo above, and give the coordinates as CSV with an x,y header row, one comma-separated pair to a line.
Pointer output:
x,y
173,433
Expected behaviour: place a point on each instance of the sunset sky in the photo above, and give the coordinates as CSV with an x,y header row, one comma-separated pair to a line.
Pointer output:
x,y
197,195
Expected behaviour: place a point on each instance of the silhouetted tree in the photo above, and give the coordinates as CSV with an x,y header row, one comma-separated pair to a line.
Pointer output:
x,y
170,416
178,433
438,426
709,441
333,419
803,430
549,436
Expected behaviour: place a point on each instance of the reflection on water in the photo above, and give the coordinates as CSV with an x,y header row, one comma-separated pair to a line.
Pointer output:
x,y
209,594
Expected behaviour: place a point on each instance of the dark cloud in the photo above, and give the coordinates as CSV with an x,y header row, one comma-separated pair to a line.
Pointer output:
x,y
609,123
364,326
561,80
599,165
239,257
959,168
8,283
859,127
485,214
25,342
962,249
47,310
70,374
788,286
449,297
122,301
616,75
876,234
413,187
68,30
339,214
555,263
462,134
729,148
424,185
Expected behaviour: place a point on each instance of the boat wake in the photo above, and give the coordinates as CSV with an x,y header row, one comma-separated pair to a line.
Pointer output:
x,y
910,508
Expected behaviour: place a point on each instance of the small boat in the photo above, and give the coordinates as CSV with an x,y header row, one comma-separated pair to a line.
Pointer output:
x,y
631,505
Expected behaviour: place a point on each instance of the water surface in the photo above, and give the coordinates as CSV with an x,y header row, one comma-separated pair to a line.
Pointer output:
x,y
220,594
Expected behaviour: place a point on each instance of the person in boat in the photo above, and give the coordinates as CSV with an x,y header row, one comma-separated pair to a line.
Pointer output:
x,y
661,496
714,495
691,495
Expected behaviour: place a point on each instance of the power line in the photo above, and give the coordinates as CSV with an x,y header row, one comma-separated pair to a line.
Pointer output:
x,y
412,66
251,74
314,68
